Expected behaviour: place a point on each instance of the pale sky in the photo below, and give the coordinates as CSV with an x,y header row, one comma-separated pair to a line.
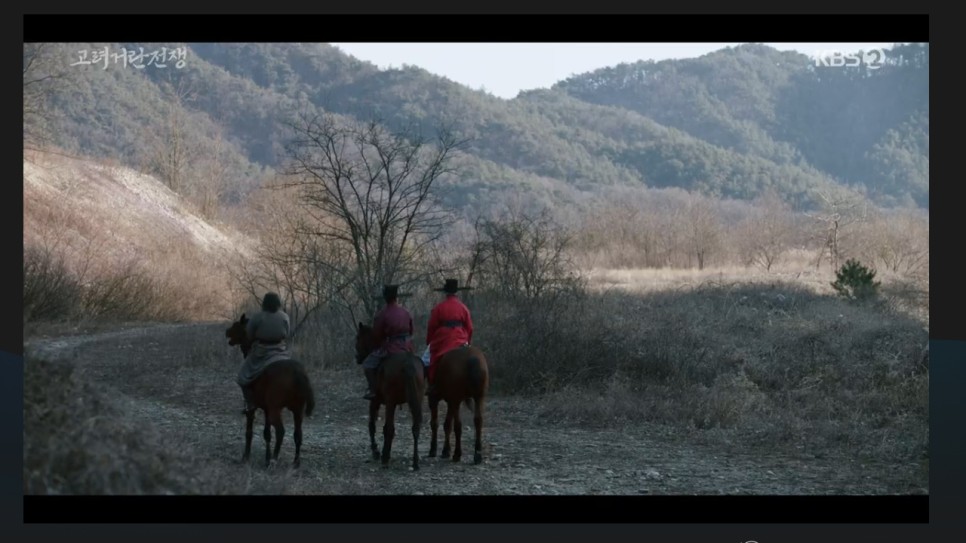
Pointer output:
x,y
505,69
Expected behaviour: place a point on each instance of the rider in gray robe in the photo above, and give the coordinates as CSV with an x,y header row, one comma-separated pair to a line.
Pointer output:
x,y
268,330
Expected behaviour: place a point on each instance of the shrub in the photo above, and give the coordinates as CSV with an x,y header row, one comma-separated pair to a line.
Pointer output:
x,y
50,291
856,282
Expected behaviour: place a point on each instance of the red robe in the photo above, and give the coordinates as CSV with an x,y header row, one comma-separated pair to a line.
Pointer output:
x,y
449,327
390,326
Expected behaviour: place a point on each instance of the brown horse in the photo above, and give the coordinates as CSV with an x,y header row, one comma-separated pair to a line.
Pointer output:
x,y
461,375
399,380
283,384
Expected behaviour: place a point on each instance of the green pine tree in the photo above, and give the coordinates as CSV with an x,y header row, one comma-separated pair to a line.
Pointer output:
x,y
856,282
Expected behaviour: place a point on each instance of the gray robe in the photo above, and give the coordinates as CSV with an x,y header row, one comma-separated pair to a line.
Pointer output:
x,y
264,326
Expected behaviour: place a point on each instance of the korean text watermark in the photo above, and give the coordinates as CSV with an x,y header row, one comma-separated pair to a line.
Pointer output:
x,y
137,58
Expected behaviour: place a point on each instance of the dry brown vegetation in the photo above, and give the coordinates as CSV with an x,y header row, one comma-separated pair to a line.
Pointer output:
x,y
104,244
780,365
701,317
82,437
672,229
165,411
768,353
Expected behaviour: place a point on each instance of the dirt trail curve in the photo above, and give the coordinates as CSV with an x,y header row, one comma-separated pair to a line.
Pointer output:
x,y
198,401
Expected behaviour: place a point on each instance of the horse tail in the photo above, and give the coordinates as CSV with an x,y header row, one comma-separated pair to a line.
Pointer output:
x,y
475,371
305,388
412,394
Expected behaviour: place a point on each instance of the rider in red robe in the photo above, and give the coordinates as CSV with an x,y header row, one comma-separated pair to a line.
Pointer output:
x,y
392,333
450,326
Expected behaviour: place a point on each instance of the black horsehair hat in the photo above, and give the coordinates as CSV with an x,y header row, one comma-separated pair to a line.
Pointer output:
x,y
451,287
390,291
271,302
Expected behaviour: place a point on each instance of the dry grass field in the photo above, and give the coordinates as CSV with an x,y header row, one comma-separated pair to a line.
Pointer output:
x,y
728,380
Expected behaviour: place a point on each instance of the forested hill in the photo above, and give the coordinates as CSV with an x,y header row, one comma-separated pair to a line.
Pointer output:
x,y
729,124
857,124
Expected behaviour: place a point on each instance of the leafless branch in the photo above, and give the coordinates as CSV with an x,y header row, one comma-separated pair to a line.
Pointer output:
x,y
368,193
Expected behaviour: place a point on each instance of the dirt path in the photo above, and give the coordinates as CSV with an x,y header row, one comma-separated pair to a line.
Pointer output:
x,y
181,379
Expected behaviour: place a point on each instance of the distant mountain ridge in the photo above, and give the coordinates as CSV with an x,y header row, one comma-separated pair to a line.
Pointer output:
x,y
732,123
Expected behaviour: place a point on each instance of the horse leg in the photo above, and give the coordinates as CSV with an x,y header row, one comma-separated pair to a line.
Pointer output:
x,y
373,415
457,433
433,424
249,423
388,432
268,439
279,431
447,429
478,425
297,436
416,409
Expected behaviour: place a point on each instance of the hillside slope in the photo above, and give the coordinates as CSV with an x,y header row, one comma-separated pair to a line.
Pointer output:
x,y
97,219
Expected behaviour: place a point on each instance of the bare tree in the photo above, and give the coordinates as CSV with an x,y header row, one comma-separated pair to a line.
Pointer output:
x,y
288,261
766,234
897,239
45,72
463,262
211,179
523,257
369,190
627,230
703,229
905,248
175,154
837,214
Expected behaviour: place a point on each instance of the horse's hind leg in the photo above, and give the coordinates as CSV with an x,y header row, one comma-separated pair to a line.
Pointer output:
x,y
249,423
416,409
433,424
388,432
478,425
297,436
457,433
373,415
447,429
268,439
279,431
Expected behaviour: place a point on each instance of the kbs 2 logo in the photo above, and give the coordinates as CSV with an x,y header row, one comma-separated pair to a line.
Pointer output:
x,y
872,59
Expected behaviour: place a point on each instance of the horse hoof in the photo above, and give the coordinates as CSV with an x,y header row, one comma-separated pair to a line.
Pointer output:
x,y
456,458
296,463
477,458
432,454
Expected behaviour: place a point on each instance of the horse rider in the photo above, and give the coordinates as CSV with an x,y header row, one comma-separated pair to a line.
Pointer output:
x,y
268,330
392,330
450,326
